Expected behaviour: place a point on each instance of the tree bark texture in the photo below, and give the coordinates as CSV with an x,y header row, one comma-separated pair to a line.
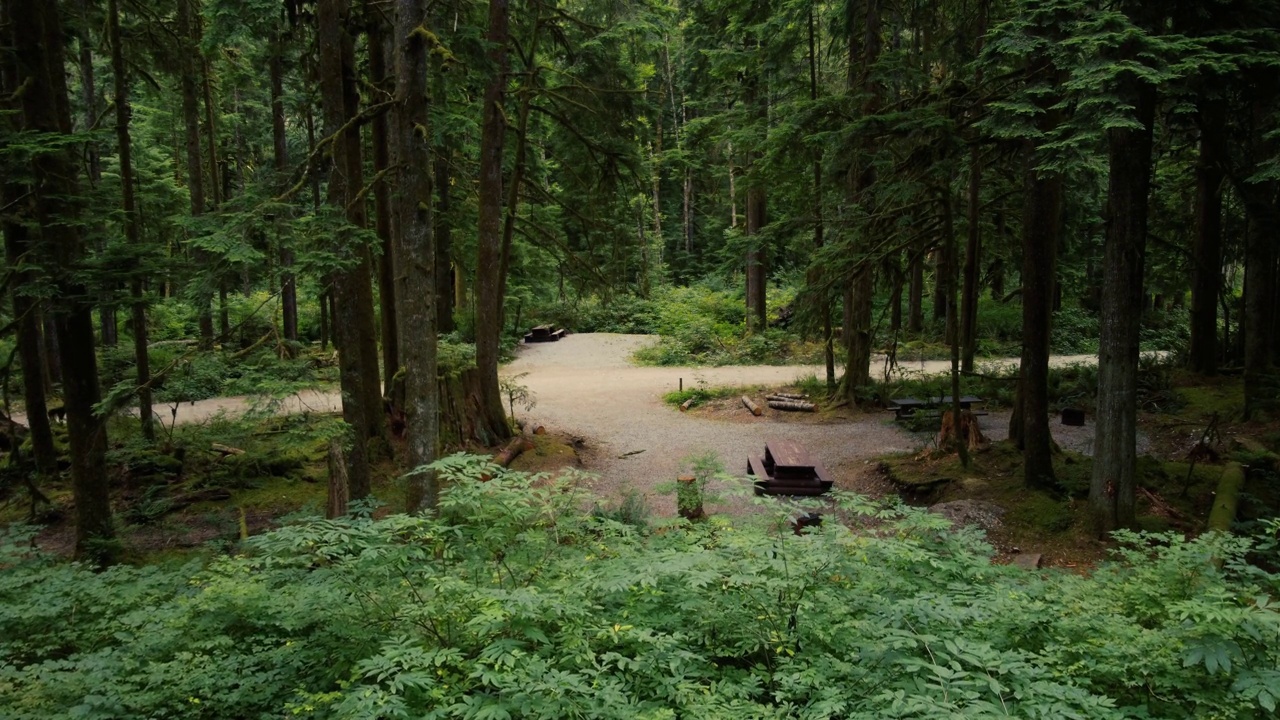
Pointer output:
x,y
124,141
416,256
1113,486
1207,253
38,42
353,321
972,255
488,302
1259,292
1041,226
441,157
915,294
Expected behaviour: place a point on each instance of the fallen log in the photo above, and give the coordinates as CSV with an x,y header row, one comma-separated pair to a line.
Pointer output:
x,y
1254,447
512,450
179,502
687,404
787,396
225,449
1225,502
792,405
754,408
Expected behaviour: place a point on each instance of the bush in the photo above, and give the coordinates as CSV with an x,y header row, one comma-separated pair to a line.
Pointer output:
x,y
1075,332
512,602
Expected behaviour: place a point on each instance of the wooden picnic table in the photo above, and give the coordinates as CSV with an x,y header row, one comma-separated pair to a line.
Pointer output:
x,y
906,407
788,469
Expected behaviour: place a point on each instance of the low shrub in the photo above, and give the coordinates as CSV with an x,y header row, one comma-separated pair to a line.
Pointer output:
x,y
512,602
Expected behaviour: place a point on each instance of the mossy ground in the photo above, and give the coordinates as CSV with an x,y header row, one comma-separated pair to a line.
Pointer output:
x,y
1174,494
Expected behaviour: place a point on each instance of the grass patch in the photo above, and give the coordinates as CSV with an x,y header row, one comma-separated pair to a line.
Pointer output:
x,y
702,394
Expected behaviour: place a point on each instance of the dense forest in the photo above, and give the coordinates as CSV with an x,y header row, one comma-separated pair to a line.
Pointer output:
x,y
207,198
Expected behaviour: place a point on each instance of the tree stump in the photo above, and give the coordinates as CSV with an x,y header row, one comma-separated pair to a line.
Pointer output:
x,y
967,431
689,498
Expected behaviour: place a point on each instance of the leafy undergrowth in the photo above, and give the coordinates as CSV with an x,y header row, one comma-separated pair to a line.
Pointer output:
x,y
1171,496
513,602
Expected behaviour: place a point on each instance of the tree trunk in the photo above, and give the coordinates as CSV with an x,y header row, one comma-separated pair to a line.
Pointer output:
x,y
864,51
378,50
129,207
973,247
1207,266
1041,226
949,230
416,257
18,247
1113,486
972,255
18,250
756,259
941,275
828,348
280,155
915,294
38,42
51,367
488,302
353,320
211,129
441,156
189,33
1259,283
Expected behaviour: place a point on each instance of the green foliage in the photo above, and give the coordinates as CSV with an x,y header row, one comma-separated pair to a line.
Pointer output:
x,y
513,603
1074,332
700,393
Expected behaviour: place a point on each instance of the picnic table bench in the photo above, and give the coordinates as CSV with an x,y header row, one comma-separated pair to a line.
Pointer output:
x,y
543,333
787,469
907,407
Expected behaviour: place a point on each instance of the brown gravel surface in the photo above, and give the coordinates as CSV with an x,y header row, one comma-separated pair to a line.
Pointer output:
x,y
585,385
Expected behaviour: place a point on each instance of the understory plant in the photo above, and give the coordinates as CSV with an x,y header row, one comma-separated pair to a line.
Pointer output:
x,y
512,602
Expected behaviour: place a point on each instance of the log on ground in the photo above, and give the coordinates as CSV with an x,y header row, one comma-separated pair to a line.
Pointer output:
x,y
792,405
512,450
1223,512
754,408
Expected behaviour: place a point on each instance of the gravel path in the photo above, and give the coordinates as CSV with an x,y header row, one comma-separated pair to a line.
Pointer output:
x,y
585,385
